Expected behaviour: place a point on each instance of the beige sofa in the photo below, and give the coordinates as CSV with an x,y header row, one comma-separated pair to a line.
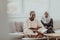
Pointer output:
x,y
17,28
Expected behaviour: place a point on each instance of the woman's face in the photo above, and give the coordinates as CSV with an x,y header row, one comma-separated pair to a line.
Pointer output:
x,y
33,15
46,14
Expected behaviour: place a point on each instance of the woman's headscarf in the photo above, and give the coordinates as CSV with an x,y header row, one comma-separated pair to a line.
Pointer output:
x,y
46,20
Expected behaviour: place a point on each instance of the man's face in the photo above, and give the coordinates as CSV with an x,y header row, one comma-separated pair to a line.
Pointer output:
x,y
33,15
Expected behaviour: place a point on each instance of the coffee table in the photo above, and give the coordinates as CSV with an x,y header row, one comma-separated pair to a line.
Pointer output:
x,y
53,35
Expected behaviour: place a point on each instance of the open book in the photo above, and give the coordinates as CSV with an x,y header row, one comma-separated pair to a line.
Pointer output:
x,y
42,30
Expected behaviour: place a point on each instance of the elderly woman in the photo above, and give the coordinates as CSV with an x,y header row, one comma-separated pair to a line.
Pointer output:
x,y
47,22
32,28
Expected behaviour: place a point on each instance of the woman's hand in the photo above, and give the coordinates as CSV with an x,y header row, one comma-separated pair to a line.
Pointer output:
x,y
39,27
35,28
46,27
50,27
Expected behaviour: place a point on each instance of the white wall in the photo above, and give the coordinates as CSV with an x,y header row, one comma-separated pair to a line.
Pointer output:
x,y
19,9
4,28
55,9
14,8
22,8
39,6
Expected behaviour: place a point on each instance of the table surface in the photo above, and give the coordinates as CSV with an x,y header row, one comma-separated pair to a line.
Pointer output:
x,y
53,34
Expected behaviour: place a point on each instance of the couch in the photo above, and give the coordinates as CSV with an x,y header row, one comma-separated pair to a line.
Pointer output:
x,y
17,28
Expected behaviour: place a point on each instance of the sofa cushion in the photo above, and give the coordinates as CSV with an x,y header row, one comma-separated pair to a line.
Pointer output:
x,y
19,26
12,27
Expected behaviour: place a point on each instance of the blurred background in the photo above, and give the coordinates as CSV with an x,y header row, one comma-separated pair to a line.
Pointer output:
x,y
18,10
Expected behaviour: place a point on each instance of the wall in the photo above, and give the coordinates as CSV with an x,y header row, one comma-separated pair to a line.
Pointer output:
x,y
4,28
54,9
20,9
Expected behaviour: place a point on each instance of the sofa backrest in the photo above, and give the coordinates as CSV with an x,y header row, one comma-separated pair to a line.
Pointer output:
x,y
18,26
57,24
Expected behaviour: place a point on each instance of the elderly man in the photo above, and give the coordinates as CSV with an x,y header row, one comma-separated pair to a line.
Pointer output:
x,y
32,28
